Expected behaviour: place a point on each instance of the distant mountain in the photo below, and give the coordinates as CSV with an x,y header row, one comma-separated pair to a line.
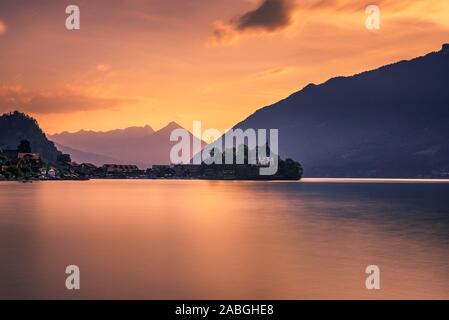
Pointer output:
x,y
106,143
141,146
17,126
86,157
389,122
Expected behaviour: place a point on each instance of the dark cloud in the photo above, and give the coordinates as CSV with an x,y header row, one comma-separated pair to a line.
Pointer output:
x,y
270,15
44,102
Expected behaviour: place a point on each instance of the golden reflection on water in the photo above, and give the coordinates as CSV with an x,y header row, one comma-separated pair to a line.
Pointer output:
x,y
222,240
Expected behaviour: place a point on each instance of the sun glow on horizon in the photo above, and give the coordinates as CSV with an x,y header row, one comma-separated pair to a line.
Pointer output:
x,y
136,64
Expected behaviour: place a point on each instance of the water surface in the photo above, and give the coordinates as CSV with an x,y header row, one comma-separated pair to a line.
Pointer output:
x,y
165,239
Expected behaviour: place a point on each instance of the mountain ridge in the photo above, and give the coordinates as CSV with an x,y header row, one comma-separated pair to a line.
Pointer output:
x,y
16,126
79,156
143,148
336,128
444,49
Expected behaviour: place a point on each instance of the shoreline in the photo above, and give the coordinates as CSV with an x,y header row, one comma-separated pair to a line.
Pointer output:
x,y
303,180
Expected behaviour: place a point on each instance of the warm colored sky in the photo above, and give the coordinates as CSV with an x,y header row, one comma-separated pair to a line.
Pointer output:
x,y
142,62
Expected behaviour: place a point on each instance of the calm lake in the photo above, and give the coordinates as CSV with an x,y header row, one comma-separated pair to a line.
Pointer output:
x,y
166,239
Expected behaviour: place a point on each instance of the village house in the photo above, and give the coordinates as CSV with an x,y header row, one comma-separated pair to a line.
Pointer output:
x,y
52,173
14,164
191,170
119,170
86,169
162,171
29,161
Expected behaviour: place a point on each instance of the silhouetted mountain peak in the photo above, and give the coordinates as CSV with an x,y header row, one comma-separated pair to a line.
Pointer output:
x,y
170,127
371,124
20,117
16,126
135,145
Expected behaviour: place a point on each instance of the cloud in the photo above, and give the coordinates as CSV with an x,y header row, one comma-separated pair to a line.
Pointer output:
x,y
276,15
60,101
223,33
103,67
270,16
272,72
2,27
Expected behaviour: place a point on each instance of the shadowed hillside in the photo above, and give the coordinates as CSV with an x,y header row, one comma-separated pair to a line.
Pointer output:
x,y
17,126
87,157
389,122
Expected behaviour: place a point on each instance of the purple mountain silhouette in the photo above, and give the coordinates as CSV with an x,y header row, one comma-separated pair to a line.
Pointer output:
x,y
137,145
389,122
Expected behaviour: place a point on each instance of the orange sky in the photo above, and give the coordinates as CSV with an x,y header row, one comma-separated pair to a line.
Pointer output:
x,y
140,62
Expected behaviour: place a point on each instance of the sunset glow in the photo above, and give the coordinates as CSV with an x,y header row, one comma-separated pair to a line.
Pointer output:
x,y
151,62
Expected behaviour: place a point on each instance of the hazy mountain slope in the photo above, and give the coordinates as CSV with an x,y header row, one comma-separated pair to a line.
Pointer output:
x,y
108,143
17,126
154,149
140,146
86,157
389,122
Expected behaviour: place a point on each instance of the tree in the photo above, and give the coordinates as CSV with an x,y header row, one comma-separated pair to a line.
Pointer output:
x,y
291,169
64,158
24,147
13,173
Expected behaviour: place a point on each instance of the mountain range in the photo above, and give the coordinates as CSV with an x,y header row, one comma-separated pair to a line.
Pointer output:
x,y
388,122
141,146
